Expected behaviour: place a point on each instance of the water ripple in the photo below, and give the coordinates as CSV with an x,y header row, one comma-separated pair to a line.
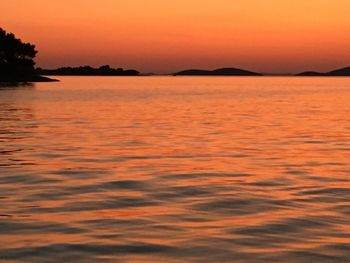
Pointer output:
x,y
175,170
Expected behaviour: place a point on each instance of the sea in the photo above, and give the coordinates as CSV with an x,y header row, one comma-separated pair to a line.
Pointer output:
x,y
175,169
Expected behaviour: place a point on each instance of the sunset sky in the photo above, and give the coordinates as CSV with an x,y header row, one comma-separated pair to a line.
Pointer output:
x,y
165,36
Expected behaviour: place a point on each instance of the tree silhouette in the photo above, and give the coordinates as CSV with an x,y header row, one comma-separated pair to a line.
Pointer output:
x,y
16,58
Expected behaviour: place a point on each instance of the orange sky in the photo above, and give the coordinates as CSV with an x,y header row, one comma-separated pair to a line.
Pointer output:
x,y
165,36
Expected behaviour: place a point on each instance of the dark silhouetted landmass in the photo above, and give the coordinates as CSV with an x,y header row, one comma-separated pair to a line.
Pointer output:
x,y
311,74
88,71
340,72
17,65
17,60
217,72
343,72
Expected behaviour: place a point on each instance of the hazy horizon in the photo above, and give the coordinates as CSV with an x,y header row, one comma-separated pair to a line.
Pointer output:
x,y
161,37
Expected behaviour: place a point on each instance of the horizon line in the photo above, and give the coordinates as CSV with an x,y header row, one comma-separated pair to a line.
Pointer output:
x,y
144,73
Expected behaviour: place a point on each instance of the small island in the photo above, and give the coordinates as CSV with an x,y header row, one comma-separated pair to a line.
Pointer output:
x,y
17,60
217,72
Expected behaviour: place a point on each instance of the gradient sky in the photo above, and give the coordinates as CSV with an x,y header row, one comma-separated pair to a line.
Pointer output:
x,y
165,36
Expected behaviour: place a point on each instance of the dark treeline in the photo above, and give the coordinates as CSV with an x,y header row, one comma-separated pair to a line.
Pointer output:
x,y
17,60
88,71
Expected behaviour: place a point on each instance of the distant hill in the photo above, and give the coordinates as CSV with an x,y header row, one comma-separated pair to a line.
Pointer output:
x,y
88,71
335,73
217,72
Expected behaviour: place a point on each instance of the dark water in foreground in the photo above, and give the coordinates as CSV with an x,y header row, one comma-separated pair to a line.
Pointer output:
x,y
176,170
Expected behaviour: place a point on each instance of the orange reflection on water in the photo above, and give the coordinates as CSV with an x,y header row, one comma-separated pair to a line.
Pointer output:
x,y
164,168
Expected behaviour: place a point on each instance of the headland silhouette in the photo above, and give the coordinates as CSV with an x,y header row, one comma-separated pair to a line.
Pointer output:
x,y
17,60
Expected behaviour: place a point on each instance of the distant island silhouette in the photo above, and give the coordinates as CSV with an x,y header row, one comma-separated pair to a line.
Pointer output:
x,y
17,60
217,72
88,71
342,72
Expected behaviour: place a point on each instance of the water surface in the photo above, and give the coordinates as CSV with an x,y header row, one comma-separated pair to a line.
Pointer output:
x,y
165,169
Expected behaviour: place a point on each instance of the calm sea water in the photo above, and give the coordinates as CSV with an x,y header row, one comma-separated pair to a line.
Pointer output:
x,y
170,169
